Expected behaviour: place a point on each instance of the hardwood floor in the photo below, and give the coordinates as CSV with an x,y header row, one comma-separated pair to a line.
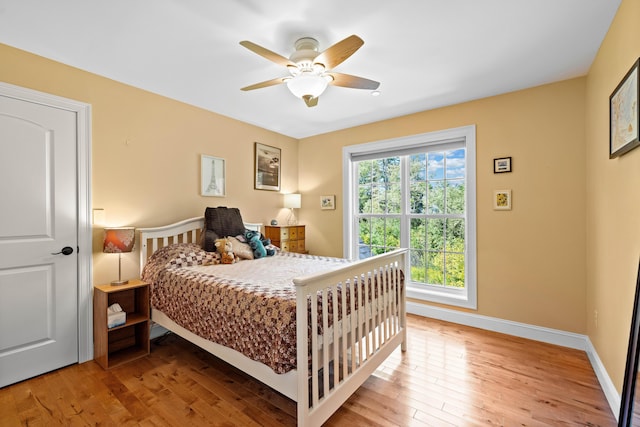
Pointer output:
x,y
451,375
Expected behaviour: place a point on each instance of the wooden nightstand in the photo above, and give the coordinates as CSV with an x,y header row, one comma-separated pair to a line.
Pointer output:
x,y
289,238
121,344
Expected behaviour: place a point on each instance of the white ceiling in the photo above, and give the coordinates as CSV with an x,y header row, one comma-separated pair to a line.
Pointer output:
x,y
425,53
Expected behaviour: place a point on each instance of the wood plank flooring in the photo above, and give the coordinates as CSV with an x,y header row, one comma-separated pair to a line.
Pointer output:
x,y
451,375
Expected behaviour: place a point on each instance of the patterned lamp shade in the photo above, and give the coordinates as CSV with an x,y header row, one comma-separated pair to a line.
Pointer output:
x,y
119,240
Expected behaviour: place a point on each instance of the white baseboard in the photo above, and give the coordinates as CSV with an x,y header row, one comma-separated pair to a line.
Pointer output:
x,y
523,330
606,384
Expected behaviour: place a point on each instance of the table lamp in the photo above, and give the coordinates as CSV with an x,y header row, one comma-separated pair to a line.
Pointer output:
x,y
292,201
116,241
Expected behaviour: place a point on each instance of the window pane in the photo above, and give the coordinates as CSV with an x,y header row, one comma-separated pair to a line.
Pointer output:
x,y
435,234
392,169
364,251
364,227
378,199
377,232
455,235
455,196
418,233
392,233
455,163
455,270
364,171
394,204
364,198
418,266
418,197
418,167
435,166
435,197
377,170
435,268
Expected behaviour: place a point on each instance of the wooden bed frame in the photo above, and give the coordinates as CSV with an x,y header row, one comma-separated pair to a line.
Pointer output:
x,y
359,342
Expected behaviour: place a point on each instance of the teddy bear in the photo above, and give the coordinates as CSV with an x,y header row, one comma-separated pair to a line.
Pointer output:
x,y
257,244
225,249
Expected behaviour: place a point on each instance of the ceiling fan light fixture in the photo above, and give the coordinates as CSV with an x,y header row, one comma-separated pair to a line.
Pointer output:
x,y
293,70
307,84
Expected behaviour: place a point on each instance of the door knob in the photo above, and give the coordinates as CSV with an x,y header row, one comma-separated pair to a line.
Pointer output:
x,y
67,250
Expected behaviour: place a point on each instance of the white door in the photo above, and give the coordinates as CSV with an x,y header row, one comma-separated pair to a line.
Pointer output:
x,y
38,218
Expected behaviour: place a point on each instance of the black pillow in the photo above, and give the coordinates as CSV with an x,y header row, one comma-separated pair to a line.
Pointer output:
x,y
209,238
221,222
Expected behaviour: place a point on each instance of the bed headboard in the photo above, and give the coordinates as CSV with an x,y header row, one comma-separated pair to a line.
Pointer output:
x,y
186,231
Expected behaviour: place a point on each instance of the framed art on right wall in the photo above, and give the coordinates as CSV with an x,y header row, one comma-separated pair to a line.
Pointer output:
x,y
624,119
502,200
328,202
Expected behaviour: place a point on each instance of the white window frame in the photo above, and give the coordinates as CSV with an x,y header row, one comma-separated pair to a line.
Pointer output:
x,y
467,297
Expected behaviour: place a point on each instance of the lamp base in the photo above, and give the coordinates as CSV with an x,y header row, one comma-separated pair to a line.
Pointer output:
x,y
119,282
291,219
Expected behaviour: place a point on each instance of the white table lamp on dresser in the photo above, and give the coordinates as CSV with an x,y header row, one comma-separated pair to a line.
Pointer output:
x,y
292,201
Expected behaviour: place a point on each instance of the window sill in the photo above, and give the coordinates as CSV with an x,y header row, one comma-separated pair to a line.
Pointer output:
x,y
457,298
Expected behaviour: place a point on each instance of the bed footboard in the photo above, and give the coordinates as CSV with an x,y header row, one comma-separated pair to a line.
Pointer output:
x,y
364,320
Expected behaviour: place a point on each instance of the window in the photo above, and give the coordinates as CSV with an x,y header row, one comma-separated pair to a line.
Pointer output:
x,y
417,192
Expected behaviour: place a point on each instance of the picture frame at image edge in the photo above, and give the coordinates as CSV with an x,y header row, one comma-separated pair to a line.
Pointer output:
x,y
624,117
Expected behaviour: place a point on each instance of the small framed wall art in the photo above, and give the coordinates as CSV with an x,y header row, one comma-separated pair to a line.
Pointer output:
x,y
502,200
328,202
502,165
267,172
212,176
623,114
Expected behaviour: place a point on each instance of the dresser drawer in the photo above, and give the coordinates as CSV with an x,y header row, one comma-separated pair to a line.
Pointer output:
x,y
289,238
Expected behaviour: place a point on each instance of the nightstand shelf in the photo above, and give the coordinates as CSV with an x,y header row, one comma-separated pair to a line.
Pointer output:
x,y
121,344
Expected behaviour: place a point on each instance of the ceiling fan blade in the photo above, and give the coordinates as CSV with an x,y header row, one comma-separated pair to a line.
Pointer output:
x,y
340,51
266,83
310,100
266,53
355,82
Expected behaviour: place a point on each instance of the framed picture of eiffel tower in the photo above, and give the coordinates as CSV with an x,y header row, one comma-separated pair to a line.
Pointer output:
x,y
212,176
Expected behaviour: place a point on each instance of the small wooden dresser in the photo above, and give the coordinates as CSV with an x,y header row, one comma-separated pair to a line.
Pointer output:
x,y
289,238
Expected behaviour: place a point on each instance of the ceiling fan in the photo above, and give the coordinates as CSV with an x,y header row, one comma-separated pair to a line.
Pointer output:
x,y
310,70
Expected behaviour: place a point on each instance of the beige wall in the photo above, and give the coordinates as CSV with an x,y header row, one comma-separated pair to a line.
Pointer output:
x,y
146,153
531,260
613,201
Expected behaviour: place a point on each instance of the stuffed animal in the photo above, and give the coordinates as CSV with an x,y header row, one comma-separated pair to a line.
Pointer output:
x,y
257,244
225,249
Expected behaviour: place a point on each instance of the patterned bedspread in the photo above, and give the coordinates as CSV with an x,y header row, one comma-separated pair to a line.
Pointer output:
x,y
249,306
